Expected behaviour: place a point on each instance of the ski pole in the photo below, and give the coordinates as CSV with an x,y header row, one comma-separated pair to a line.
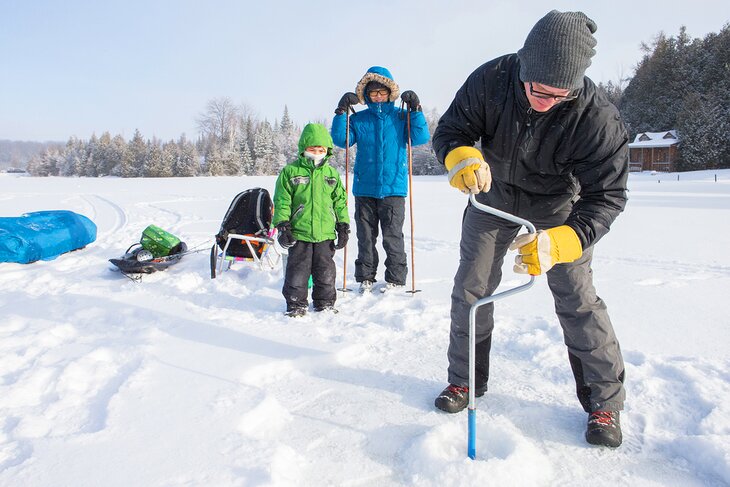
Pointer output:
x,y
472,412
344,288
409,148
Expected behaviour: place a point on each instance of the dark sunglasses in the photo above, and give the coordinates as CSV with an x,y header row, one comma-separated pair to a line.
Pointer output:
x,y
550,96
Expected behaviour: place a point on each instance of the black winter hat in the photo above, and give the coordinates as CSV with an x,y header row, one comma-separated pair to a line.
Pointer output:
x,y
558,50
375,85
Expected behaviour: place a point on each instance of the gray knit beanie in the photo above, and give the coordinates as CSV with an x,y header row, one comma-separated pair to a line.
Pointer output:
x,y
558,50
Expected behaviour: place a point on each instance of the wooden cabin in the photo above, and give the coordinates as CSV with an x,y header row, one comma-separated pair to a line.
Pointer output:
x,y
654,151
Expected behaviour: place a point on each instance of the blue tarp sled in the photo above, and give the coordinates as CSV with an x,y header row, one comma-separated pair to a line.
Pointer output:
x,y
43,235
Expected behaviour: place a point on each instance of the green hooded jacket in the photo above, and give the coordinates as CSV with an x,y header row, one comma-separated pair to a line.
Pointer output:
x,y
311,197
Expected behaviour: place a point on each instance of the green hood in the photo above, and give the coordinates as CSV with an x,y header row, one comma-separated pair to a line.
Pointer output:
x,y
315,134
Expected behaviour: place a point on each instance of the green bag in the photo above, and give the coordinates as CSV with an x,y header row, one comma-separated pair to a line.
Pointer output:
x,y
158,241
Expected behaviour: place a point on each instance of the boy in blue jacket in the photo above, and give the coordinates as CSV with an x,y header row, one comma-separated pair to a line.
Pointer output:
x,y
381,171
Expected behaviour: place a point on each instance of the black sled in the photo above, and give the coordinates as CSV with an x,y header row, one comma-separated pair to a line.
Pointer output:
x,y
137,260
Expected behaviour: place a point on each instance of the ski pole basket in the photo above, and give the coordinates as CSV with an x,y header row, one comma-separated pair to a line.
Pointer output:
x,y
472,413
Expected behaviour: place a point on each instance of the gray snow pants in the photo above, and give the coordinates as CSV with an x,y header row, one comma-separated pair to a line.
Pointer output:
x,y
390,214
593,350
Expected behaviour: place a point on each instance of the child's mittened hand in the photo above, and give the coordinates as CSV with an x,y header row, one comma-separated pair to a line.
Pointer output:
x,y
285,237
343,235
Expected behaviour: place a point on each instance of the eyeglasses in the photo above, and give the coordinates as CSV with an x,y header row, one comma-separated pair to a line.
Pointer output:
x,y
550,96
382,92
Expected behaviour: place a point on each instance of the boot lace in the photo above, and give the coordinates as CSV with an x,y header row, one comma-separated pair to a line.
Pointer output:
x,y
604,418
458,389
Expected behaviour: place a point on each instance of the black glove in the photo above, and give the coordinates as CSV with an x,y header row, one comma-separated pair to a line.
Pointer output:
x,y
343,234
285,237
411,100
347,100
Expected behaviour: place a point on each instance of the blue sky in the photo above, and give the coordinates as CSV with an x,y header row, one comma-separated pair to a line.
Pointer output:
x,y
78,67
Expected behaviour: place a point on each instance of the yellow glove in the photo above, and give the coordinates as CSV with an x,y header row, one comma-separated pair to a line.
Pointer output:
x,y
539,252
467,170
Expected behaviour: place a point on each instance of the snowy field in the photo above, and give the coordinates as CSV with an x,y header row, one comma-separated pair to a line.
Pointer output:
x,y
180,380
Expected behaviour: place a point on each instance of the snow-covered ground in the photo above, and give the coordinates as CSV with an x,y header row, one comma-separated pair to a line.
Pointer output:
x,y
180,380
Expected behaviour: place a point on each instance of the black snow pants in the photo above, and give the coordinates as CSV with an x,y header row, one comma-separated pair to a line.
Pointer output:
x,y
593,350
317,260
389,214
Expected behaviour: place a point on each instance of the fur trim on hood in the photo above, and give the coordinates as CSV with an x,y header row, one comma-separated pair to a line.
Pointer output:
x,y
381,75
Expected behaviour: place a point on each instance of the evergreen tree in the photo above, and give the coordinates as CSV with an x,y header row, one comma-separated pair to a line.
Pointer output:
x,y
286,126
170,156
119,156
34,165
156,166
88,167
231,162
701,143
286,140
613,92
214,161
137,156
188,160
103,155
73,155
264,150
248,166
46,163
250,127
243,149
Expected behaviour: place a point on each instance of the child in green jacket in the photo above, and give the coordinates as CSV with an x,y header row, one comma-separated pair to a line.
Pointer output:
x,y
310,212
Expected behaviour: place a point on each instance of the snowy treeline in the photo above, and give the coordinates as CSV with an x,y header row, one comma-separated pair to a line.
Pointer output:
x,y
16,153
684,84
114,156
232,141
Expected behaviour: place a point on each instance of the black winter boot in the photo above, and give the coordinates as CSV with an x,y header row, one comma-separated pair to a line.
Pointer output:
x,y
326,307
604,429
455,398
297,312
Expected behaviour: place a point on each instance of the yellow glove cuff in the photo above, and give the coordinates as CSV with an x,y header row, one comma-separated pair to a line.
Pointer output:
x,y
539,252
459,154
565,244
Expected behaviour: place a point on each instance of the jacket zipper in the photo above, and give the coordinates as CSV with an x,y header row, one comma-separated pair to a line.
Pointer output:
x,y
311,198
513,167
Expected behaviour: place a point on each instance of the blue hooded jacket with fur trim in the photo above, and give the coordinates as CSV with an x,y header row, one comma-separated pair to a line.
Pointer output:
x,y
381,164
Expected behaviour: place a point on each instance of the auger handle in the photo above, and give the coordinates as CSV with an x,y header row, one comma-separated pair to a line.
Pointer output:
x,y
472,413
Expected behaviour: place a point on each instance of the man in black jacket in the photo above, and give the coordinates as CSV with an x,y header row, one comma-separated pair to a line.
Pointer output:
x,y
553,151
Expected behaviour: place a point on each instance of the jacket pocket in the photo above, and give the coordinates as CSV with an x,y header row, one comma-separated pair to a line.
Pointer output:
x,y
297,180
298,212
